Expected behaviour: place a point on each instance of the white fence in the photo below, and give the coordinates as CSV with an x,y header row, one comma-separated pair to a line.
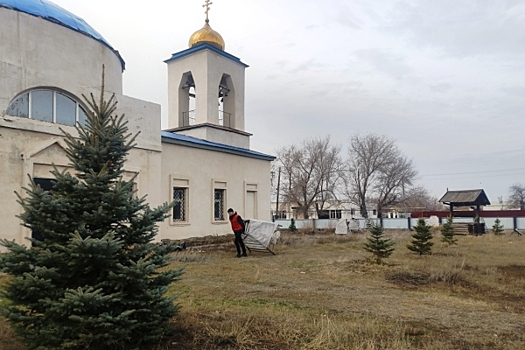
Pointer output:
x,y
398,224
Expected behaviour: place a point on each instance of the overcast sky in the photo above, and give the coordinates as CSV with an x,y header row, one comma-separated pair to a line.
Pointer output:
x,y
444,78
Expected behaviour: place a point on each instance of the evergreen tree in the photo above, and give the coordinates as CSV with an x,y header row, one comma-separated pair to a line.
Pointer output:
x,y
378,244
292,227
94,281
497,228
447,232
421,243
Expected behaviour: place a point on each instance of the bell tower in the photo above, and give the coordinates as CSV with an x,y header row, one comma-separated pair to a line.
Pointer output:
x,y
206,90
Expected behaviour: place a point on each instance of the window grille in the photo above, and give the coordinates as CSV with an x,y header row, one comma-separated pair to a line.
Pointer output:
x,y
218,212
179,209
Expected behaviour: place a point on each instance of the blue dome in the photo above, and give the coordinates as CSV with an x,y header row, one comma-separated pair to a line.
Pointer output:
x,y
56,14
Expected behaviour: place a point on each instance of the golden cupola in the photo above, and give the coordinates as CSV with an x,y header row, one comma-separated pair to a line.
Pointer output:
x,y
206,35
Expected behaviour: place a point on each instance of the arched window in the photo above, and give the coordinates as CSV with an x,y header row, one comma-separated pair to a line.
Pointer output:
x,y
49,106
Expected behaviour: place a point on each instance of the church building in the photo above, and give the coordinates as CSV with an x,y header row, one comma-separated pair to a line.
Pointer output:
x,y
50,58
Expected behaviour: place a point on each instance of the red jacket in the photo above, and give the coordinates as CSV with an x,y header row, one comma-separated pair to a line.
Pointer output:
x,y
237,223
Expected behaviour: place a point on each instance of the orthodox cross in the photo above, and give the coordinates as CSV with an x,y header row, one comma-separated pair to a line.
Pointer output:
x,y
207,7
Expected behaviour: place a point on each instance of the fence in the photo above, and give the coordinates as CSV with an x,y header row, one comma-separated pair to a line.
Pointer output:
x,y
400,224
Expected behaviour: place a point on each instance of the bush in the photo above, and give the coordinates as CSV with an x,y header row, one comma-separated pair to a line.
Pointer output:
x,y
421,243
292,227
498,228
447,232
378,245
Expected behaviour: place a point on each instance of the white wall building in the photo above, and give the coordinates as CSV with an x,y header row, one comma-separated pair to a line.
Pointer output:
x,y
331,210
49,58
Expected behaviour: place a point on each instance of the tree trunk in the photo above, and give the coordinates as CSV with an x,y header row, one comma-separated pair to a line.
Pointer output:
x,y
364,212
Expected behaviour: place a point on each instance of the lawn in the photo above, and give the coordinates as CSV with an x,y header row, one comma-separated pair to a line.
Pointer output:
x,y
320,292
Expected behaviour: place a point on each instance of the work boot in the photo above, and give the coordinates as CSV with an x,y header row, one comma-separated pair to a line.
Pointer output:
x,y
238,255
244,254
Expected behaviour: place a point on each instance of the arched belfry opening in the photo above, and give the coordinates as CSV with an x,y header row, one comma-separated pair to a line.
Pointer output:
x,y
226,102
187,95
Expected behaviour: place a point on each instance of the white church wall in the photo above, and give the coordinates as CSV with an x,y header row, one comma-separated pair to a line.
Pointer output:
x,y
24,152
143,117
36,53
217,135
228,138
245,180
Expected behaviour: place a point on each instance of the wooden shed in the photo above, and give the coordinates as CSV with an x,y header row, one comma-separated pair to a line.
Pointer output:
x,y
474,199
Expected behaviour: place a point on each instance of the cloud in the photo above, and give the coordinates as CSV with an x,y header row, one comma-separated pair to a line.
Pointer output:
x,y
346,20
443,87
462,28
385,62
307,65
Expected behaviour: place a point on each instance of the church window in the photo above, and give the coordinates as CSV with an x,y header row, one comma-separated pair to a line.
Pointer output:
x,y
46,185
66,110
180,195
219,200
49,106
179,208
218,208
42,105
19,107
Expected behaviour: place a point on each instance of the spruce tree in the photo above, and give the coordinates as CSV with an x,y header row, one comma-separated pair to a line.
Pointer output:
x,y
95,280
497,228
447,232
378,244
421,243
292,227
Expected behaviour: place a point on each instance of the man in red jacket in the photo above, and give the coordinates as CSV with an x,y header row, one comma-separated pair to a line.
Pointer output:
x,y
238,229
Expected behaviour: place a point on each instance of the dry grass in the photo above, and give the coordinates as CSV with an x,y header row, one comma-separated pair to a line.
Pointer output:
x,y
320,292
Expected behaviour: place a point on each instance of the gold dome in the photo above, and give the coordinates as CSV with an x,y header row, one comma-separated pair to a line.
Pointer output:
x,y
206,35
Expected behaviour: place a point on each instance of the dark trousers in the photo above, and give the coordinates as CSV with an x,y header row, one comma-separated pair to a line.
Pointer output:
x,y
239,244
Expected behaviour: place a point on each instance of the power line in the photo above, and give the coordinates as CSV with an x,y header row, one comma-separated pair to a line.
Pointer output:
x,y
478,172
472,177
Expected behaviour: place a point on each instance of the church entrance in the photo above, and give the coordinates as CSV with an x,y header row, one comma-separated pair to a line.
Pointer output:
x,y
46,185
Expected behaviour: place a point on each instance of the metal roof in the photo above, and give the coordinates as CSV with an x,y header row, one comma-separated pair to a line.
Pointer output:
x,y
183,140
203,46
56,14
465,197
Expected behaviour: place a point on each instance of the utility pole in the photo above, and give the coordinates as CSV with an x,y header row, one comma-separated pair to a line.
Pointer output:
x,y
278,185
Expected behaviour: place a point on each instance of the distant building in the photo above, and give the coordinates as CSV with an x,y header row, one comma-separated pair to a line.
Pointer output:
x,y
331,210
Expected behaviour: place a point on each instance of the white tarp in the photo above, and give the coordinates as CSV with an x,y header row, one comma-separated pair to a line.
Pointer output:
x,y
433,221
353,226
262,232
342,227
275,237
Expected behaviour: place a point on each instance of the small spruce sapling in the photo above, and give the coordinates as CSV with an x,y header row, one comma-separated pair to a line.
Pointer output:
x,y
447,232
378,244
421,243
497,228
292,227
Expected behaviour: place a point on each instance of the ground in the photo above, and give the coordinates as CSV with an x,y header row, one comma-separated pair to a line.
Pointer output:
x,y
320,292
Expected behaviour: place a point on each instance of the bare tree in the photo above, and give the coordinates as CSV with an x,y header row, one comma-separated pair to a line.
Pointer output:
x,y
394,177
311,173
377,172
418,198
517,196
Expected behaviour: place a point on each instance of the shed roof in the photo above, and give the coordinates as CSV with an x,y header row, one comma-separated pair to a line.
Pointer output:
x,y
465,197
